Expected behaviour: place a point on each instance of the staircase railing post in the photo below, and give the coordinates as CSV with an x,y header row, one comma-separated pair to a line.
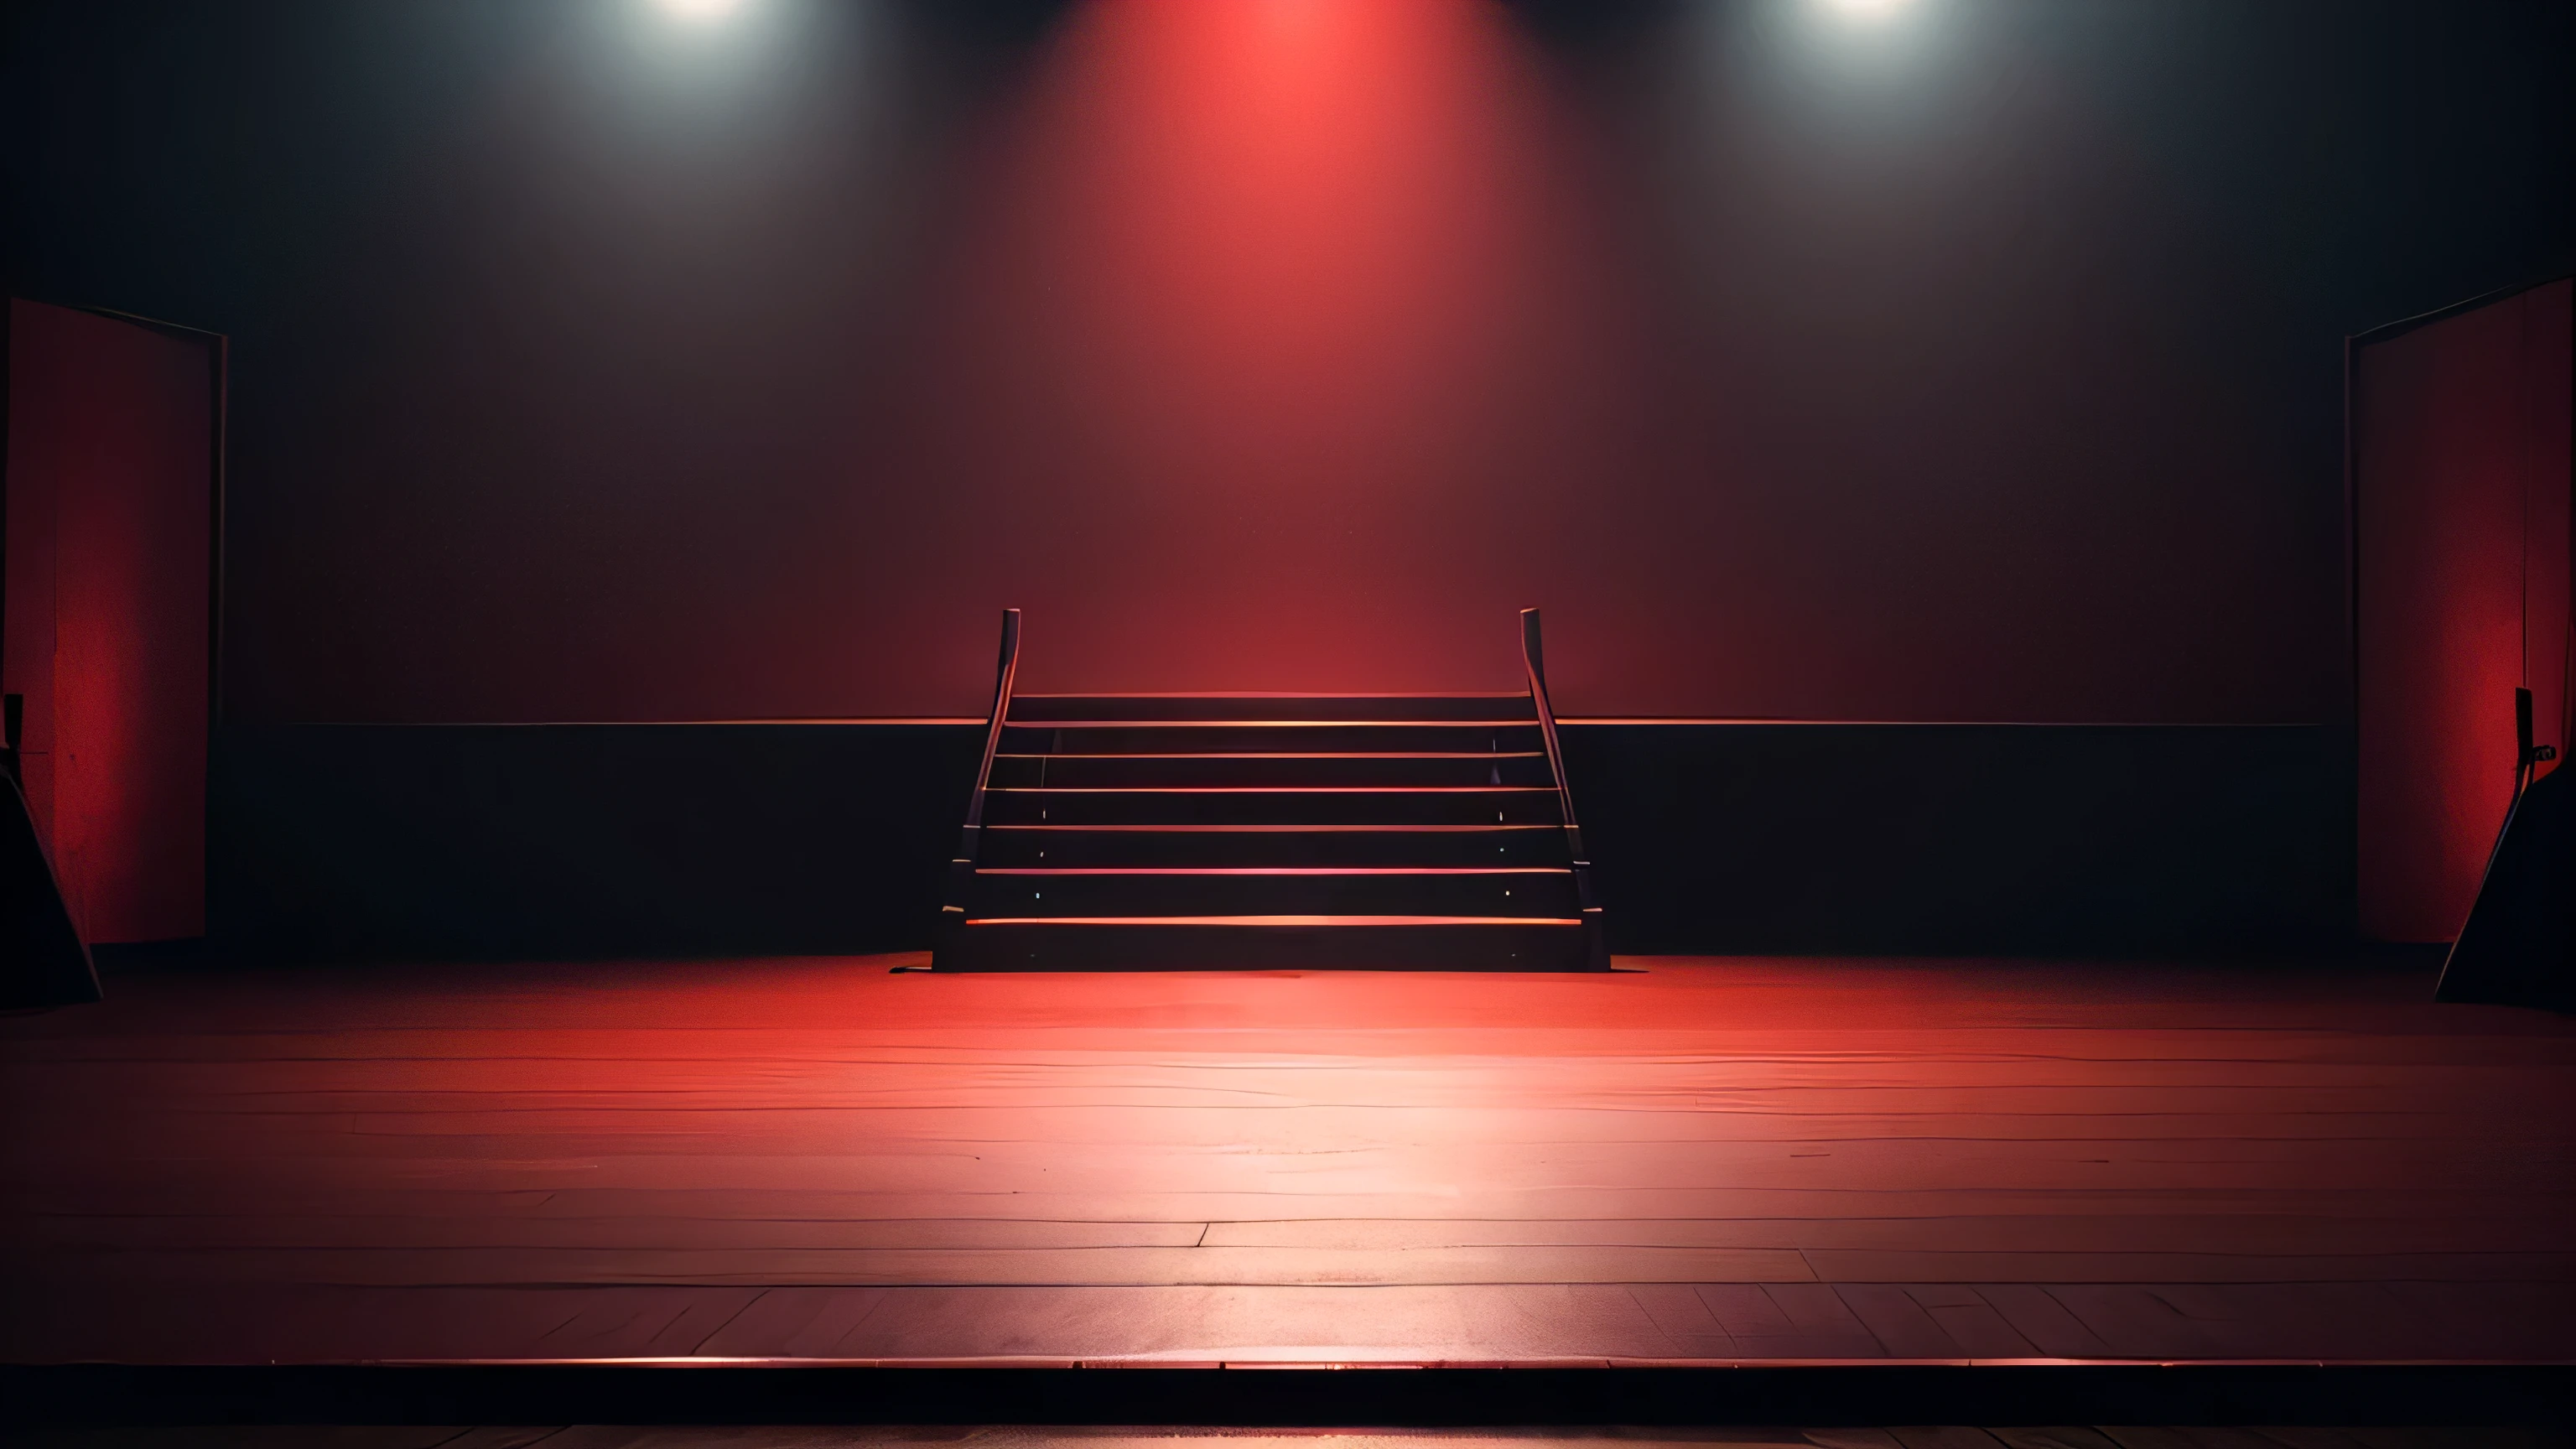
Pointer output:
x,y
1596,939
948,940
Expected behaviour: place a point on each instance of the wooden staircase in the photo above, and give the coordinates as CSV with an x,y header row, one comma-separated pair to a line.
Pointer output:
x,y
1271,832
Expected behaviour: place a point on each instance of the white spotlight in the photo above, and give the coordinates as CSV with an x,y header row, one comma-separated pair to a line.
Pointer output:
x,y
1866,10
700,11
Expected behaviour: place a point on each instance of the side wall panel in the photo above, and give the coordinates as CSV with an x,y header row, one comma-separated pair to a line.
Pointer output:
x,y
2461,501
110,487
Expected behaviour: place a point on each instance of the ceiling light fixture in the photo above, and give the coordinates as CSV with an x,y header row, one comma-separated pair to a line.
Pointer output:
x,y
700,11
1866,10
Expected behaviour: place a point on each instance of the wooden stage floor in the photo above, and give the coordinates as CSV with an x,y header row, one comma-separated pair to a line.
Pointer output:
x,y
1709,1160
629,1437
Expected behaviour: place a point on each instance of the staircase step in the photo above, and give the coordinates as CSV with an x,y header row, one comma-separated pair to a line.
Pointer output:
x,y
1105,771
1291,891
1271,845
1276,737
1272,943
1277,805
1215,707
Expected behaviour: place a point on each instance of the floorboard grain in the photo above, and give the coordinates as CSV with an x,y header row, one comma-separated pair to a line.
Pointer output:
x,y
1703,1160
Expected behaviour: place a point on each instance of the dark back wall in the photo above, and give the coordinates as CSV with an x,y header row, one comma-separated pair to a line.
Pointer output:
x,y
589,364
377,841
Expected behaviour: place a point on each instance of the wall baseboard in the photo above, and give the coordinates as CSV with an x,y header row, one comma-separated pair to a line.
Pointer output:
x,y
595,840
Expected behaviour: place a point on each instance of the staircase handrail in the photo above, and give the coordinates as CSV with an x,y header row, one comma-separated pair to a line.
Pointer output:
x,y
961,868
1596,939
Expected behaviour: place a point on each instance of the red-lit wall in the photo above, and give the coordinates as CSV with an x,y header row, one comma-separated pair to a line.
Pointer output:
x,y
1287,344
104,623
2462,488
1284,345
